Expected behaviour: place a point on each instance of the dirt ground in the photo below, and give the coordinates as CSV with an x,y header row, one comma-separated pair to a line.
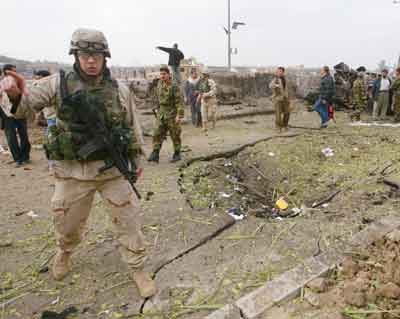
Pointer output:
x,y
225,265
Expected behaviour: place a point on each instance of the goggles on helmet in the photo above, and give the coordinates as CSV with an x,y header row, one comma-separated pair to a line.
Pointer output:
x,y
85,45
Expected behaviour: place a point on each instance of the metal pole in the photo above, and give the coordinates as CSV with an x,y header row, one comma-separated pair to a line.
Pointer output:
x,y
229,37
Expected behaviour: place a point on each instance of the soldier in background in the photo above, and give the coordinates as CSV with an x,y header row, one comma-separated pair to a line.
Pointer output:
x,y
208,98
396,96
169,117
77,178
280,97
359,95
344,78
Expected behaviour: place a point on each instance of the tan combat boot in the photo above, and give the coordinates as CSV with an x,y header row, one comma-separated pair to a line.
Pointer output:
x,y
61,265
144,283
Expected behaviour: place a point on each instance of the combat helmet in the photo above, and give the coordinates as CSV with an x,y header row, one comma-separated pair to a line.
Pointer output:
x,y
89,40
206,71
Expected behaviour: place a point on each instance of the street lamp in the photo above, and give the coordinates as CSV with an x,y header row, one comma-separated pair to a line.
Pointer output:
x,y
228,31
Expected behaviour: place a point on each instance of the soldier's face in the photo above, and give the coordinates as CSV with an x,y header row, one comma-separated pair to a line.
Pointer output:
x,y
91,64
164,76
279,72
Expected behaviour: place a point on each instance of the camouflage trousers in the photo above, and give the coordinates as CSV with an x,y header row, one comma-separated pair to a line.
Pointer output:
x,y
282,113
209,110
396,107
72,202
165,126
355,115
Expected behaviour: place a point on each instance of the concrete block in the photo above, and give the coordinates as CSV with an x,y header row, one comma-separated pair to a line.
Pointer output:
x,y
227,312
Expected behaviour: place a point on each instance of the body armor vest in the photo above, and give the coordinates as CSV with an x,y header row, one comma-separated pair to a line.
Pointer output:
x,y
66,140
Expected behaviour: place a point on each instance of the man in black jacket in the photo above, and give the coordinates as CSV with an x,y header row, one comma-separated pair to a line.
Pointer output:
x,y
175,58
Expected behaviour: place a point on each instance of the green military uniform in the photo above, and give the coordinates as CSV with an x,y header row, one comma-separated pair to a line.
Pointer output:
x,y
360,99
396,96
170,107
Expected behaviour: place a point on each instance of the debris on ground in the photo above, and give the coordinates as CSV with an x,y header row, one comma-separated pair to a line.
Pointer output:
x,y
6,243
62,315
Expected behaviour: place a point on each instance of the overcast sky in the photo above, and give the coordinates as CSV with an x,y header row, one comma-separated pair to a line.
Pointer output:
x,y
285,32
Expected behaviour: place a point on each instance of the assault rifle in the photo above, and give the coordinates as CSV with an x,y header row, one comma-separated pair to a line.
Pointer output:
x,y
86,112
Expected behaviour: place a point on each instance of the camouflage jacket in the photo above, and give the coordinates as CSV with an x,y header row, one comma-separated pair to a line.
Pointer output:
x,y
279,91
359,94
170,101
208,88
396,87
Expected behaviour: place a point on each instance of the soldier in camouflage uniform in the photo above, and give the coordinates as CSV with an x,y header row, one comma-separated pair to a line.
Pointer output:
x,y
77,177
208,98
396,96
360,98
280,97
169,117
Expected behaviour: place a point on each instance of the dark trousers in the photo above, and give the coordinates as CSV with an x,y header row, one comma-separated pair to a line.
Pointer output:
x,y
195,109
21,148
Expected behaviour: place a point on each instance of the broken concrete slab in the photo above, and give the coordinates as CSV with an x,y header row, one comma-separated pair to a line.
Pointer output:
x,y
289,284
228,312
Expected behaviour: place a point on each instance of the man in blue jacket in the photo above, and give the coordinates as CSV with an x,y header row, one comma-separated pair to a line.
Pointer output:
x,y
175,58
326,94
381,95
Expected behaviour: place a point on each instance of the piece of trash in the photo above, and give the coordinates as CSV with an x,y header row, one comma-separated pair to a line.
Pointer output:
x,y
149,195
236,213
232,178
326,205
212,205
297,210
54,302
355,149
225,195
271,154
228,164
23,212
63,315
32,214
279,218
282,204
328,152
44,270
237,217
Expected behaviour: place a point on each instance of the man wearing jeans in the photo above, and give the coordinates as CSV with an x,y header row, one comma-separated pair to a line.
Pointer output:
x,y
326,94
175,58
15,126
381,95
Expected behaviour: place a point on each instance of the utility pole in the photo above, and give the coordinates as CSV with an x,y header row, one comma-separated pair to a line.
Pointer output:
x,y
229,37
